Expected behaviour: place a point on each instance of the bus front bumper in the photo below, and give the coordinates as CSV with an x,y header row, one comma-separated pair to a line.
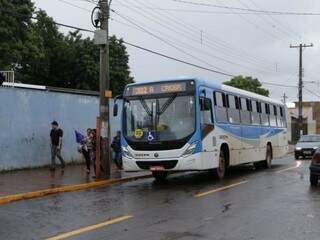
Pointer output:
x,y
193,162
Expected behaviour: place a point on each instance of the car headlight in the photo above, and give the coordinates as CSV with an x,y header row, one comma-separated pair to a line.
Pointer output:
x,y
315,148
190,150
298,148
126,153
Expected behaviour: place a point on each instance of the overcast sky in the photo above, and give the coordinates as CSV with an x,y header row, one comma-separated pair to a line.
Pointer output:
x,y
240,44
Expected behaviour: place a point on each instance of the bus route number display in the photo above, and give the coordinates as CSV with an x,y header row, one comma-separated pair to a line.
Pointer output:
x,y
157,88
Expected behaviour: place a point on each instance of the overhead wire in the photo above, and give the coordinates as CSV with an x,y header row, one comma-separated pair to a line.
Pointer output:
x,y
139,47
202,51
219,44
188,30
248,9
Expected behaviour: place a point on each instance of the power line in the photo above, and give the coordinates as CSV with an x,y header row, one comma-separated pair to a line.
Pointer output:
x,y
313,93
267,19
168,42
188,30
220,45
174,29
74,5
279,85
145,49
267,33
249,9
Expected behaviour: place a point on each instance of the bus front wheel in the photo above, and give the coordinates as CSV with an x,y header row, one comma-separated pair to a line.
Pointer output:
x,y
160,176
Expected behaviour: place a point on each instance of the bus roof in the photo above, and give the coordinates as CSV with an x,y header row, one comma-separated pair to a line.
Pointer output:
x,y
215,85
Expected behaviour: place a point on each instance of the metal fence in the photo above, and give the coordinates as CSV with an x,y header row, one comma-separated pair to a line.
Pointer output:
x,y
8,76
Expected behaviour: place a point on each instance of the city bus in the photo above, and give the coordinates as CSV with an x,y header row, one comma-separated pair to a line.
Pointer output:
x,y
192,124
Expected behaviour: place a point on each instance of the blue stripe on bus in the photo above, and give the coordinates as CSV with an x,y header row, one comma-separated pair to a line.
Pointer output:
x,y
250,132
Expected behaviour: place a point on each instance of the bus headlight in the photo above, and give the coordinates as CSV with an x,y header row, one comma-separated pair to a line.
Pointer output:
x,y
190,150
126,153
298,148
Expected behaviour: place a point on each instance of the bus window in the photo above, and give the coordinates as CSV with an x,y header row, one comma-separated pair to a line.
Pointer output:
x,y
255,115
233,110
220,106
273,119
264,115
280,117
245,111
206,111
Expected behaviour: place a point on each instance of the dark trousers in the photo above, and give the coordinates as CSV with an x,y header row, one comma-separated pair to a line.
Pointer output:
x,y
87,157
56,152
118,159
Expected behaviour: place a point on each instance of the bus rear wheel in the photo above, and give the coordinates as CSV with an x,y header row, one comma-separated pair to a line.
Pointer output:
x,y
160,176
265,163
221,170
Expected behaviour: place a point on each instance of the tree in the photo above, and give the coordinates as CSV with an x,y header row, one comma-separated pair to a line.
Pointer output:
x,y
15,21
249,84
40,54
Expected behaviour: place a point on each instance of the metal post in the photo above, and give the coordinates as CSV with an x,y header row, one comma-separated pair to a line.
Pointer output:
x,y
104,88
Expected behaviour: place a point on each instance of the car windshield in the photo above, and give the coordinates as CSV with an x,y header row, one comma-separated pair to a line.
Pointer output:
x,y
159,119
309,138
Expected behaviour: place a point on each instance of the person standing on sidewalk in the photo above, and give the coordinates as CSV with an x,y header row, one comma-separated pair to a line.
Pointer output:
x,y
87,149
116,146
56,135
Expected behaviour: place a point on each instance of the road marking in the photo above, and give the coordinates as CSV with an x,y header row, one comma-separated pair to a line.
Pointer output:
x,y
220,189
298,164
90,228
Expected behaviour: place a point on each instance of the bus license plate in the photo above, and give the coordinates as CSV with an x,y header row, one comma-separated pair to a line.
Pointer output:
x,y
157,168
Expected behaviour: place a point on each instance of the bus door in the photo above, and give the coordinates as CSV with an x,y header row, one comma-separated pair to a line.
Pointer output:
x,y
207,127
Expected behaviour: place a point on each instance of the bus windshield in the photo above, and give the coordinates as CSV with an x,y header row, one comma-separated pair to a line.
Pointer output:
x,y
159,119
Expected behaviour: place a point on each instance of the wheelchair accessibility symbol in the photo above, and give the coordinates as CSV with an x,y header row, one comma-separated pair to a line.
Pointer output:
x,y
151,136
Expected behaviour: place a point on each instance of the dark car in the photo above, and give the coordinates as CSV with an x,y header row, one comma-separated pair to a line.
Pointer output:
x,y
306,146
315,168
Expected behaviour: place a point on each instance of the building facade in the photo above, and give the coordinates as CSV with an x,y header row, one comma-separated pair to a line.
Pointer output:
x,y
311,119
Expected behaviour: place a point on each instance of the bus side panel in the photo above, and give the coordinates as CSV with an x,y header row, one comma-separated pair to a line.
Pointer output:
x,y
251,143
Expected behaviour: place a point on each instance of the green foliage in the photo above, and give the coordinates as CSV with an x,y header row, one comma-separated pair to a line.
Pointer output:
x,y
40,54
14,32
248,84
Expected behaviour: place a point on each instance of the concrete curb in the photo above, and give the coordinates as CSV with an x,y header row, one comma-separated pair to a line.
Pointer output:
x,y
67,188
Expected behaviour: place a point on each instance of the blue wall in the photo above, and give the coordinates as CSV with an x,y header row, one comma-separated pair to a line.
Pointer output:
x,y
25,117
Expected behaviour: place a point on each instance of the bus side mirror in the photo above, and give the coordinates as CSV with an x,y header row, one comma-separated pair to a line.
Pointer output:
x,y
205,104
115,109
115,105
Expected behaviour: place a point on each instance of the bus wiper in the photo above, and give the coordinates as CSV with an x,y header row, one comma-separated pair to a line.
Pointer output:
x,y
166,105
145,107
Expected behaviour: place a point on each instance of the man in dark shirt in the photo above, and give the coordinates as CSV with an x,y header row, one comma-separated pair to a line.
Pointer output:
x,y
56,135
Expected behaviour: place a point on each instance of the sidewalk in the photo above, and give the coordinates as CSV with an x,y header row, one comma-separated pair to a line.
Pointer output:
x,y
24,181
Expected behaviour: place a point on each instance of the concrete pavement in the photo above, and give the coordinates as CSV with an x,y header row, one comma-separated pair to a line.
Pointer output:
x,y
27,184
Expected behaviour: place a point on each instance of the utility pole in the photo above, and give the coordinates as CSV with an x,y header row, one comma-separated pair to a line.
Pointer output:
x,y
105,94
300,85
284,98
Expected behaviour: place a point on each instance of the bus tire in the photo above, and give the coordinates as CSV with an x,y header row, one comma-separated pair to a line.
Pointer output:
x,y
313,180
160,176
267,163
221,169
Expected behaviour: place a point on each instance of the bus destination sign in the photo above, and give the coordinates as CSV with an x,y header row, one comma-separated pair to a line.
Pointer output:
x,y
158,88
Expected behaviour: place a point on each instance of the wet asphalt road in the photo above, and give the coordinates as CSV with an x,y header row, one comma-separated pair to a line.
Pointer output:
x,y
266,204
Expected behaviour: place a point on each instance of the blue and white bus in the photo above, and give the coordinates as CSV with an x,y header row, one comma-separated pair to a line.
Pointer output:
x,y
194,124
